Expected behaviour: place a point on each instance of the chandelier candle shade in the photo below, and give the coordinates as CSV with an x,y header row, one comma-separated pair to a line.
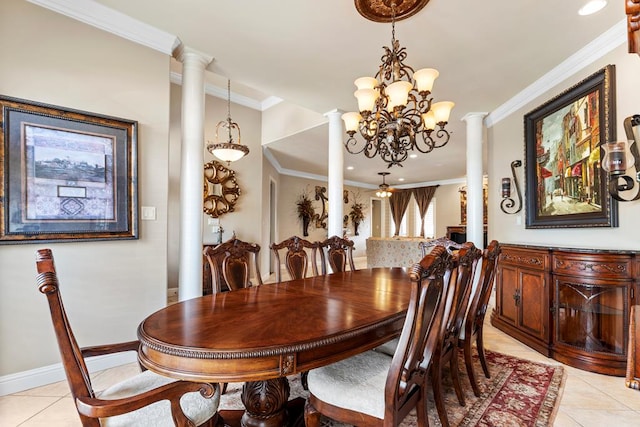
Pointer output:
x,y
397,114
229,151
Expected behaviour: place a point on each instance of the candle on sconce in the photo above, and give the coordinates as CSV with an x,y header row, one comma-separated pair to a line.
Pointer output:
x,y
506,187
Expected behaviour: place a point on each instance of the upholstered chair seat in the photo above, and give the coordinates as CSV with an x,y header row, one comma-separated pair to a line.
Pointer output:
x,y
357,383
196,407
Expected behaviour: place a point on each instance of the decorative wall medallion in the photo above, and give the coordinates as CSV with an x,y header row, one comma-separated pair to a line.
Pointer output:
x,y
221,189
380,10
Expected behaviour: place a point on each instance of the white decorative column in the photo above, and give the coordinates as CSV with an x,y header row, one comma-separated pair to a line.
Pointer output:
x,y
475,135
191,172
336,174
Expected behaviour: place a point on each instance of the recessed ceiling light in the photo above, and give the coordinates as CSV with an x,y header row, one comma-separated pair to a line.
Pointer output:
x,y
400,179
350,168
413,156
592,7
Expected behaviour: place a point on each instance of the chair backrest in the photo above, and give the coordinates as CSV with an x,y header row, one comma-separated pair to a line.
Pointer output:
x,y
480,299
339,253
467,258
230,264
450,245
406,379
296,259
72,360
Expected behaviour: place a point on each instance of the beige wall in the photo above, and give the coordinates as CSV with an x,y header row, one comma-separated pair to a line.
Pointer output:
x,y
506,143
447,207
291,188
108,287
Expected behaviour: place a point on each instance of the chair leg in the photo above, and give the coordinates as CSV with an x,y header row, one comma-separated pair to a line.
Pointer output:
x,y
468,361
422,409
455,376
480,348
303,380
223,389
436,381
311,415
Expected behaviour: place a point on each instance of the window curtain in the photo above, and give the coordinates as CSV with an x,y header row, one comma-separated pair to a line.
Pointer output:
x,y
423,196
398,203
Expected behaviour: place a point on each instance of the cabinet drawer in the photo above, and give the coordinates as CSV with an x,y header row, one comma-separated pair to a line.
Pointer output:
x,y
525,258
593,265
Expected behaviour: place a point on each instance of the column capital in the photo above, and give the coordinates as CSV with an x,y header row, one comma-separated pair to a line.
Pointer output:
x,y
333,113
474,115
186,54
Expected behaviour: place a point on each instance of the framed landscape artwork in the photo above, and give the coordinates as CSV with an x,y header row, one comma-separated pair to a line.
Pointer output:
x,y
66,175
565,183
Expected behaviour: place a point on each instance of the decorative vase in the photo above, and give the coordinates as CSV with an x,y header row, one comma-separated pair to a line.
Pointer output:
x,y
305,225
355,228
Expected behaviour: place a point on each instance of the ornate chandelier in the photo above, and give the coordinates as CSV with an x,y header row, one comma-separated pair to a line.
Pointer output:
x,y
229,151
396,112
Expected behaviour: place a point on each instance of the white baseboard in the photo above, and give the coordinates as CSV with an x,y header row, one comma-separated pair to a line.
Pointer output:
x,y
20,381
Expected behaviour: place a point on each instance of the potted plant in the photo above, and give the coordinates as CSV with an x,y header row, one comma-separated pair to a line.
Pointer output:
x,y
305,212
357,216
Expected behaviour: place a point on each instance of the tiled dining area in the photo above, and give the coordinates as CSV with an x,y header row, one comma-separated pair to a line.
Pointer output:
x,y
588,399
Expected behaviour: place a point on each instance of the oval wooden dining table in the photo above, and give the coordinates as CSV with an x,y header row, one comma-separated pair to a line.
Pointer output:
x,y
261,335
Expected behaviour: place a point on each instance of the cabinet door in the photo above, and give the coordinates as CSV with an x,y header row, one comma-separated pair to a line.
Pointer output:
x,y
534,303
507,287
592,315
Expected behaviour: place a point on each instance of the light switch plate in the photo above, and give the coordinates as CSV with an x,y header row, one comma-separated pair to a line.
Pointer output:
x,y
149,213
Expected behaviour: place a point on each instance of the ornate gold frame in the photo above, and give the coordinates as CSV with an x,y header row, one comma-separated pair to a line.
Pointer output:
x,y
221,189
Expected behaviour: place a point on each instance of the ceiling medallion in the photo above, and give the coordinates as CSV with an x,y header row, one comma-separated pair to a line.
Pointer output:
x,y
381,10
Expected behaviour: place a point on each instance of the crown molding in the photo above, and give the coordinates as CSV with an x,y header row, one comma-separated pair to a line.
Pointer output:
x,y
603,44
99,16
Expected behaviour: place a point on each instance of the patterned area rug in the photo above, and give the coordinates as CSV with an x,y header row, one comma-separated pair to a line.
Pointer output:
x,y
519,393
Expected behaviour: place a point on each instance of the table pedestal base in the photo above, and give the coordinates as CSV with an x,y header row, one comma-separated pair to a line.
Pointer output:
x,y
265,403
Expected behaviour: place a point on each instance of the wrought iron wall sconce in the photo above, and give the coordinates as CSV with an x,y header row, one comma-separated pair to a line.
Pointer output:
x,y
621,157
508,205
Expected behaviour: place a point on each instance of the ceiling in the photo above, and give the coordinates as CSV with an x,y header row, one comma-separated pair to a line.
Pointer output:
x,y
310,52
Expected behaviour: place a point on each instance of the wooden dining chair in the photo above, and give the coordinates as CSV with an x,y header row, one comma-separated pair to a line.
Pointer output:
x,y
231,264
146,399
446,350
297,258
372,389
339,254
473,325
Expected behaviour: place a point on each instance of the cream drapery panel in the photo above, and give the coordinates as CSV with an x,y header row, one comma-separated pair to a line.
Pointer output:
x,y
423,196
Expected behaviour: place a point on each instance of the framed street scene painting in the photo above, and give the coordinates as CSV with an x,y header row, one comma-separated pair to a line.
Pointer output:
x,y
565,183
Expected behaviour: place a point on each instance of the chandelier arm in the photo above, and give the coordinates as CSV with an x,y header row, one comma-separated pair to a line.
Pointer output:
x,y
443,134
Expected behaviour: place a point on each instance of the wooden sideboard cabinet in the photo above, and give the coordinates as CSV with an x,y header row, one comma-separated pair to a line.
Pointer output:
x,y
569,304
522,296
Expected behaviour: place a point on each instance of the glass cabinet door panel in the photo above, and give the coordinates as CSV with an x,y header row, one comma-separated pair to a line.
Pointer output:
x,y
592,317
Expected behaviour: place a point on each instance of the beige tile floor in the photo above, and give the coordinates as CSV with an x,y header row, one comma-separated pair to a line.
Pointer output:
x,y
589,400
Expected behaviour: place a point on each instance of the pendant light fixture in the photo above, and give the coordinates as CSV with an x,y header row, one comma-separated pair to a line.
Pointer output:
x,y
228,151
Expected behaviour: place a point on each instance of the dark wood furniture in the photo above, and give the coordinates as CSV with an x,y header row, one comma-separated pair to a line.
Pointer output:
x,y
632,9
129,403
458,233
230,265
296,258
286,328
569,304
474,322
339,254
446,349
337,391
